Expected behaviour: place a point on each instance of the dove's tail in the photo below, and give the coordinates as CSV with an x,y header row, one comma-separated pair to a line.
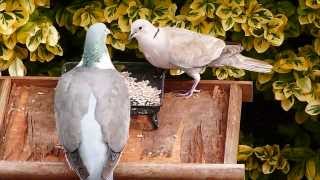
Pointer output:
x,y
242,62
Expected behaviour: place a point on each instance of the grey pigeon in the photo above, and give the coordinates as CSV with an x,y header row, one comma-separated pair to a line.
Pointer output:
x,y
170,48
92,110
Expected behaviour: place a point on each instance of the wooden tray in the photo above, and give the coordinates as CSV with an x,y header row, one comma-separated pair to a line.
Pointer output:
x,y
197,137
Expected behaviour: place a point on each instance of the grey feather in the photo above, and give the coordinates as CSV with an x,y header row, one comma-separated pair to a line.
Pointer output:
x,y
188,49
242,62
112,108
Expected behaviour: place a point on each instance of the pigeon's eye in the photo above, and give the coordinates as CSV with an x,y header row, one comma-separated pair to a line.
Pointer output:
x,y
140,27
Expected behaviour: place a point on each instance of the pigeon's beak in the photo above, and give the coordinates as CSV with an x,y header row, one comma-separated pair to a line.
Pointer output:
x,y
131,35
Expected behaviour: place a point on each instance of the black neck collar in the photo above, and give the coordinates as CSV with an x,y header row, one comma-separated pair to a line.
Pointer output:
x,y
156,33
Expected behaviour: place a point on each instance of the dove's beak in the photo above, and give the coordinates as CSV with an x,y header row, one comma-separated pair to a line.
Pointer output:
x,y
131,35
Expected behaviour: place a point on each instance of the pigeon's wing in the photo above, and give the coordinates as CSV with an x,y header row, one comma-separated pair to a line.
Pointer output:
x,y
188,49
113,114
71,104
231,50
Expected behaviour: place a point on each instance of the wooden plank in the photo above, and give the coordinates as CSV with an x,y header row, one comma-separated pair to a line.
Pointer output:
x,y
170,85
246,86
23,170
192,130
233,124
186,171
144,171
5,87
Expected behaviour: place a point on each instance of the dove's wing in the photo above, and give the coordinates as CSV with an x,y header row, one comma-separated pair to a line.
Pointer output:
x,y
112,112
188,49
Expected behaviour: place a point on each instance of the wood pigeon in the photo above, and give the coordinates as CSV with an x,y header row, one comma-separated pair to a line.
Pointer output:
x,y
92,110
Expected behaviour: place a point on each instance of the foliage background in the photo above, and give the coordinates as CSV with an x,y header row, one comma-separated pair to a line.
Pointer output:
x,y
280,131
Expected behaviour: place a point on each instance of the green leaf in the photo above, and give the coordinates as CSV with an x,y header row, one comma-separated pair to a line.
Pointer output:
x,y
304,84
227,23
287,104
298,154
261,45
313,109
53,36
221,73
244,152
34,40
17,68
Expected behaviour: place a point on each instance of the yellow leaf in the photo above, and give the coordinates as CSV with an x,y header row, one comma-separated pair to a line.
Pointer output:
x,y
10,40
227,23
176,72
7,20
274,37
124,24
56,50
27,5
236,73
85,19
267,168
6,54
304,84
287,104
264,78
244,152
17,68
221,73
245,28
25,31
34,56
12,5
216,29
144,13
43,3
279,85
247,43
195,15
44,54
257,32
22,18
313,4
261,45
313,109
21,53
278,95
53,36
76,19
310,169
304,19
224,11
197,4
317,46
242,18
3,6
34,40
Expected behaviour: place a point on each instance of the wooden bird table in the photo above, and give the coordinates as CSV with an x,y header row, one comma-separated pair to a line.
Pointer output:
x,y
197,137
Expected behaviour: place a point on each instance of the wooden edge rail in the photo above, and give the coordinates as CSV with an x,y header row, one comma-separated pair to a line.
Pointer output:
x,y
16,170
170,85
233,124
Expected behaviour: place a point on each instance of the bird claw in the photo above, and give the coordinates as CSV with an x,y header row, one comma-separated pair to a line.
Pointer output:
x,y
188,93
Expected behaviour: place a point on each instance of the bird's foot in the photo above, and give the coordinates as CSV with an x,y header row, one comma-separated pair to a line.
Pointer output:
x,y
188,93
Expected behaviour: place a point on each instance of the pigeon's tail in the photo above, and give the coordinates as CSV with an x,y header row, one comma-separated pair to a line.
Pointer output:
x,y
242,62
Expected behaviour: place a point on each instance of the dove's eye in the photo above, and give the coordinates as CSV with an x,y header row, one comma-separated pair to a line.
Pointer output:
x,y
140,27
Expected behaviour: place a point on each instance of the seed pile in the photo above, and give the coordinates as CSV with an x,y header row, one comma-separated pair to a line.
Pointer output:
x,y
140,92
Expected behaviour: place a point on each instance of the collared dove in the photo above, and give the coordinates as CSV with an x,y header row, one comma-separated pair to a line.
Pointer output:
x,y
92,110
170,47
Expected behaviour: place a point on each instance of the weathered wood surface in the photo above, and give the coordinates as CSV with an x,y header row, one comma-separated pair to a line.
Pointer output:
x,y
124,171
194,130
233,124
